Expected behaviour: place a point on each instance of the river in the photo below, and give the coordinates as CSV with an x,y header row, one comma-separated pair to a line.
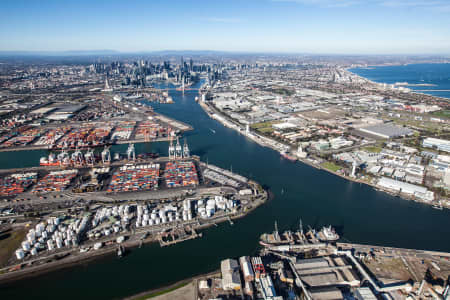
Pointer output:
x,y
360,214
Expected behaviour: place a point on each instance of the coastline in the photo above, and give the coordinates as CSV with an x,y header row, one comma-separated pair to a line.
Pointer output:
x,y
382,83
258,139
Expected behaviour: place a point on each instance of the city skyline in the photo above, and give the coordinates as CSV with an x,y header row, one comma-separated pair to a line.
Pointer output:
x,y
277,26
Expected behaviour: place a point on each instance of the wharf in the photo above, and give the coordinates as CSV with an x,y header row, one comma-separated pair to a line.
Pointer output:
x,y
119,142
178,235
393,251
97,165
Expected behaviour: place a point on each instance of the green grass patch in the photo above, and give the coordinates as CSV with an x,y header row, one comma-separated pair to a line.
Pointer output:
x,y
373,149
283,91
441,113
265,127
330,166
262,125
266,130
159,293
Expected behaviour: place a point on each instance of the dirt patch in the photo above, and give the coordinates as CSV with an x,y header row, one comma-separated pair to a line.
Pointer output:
x,y
389,268
184,293
10,241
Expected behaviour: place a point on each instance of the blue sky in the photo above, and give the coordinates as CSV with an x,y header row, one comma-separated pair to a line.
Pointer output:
x,y
303,26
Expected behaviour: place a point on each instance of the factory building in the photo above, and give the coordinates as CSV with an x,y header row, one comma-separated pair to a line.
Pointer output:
x,y
386,131
364,293
65,112
230,274
329,293
439,144
323,272
246,267
406,188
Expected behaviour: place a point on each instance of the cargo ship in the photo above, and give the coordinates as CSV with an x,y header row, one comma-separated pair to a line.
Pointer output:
x,y
326,234
50,161
64,159
287,156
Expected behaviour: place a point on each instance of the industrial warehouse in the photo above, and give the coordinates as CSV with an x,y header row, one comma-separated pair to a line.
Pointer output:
x,y
386,131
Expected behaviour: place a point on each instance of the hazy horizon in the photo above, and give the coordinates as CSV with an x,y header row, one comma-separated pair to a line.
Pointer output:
x,y
206,52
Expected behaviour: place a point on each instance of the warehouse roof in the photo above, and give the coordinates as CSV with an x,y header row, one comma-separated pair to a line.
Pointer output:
x,y
311,263
387,130
42,110
69,109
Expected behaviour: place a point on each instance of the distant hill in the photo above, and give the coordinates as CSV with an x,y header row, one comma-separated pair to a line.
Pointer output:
x,y
59,53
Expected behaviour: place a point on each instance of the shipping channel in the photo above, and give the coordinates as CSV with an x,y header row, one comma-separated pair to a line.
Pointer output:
x,y
359,213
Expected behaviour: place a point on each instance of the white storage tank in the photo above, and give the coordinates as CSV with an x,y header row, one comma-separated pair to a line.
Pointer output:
x,y
98,245
20,254
50,245
26,246
59,243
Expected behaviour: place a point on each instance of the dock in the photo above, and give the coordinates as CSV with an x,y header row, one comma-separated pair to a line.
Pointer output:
x,y
178,236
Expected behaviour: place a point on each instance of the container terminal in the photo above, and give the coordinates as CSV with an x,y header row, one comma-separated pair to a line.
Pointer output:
x,y
67,214
312,265
60,126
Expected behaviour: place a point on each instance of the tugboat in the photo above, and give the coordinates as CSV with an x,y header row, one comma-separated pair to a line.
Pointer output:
x,y
327,234
286,155
120,251
438,206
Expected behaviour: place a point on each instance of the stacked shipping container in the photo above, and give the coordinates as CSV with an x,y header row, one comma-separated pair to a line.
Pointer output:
x,y
55,181
180,173
135,178
16,183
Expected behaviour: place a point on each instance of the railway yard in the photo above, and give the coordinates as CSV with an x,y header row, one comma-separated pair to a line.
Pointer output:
x,y
129,203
